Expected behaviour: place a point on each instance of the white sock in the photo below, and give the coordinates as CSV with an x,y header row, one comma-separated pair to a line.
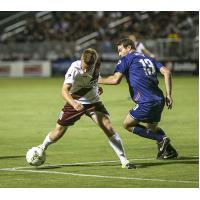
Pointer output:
x,y
116,144
47,141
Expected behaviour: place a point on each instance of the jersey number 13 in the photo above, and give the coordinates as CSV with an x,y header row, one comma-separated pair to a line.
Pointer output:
x,y
148,66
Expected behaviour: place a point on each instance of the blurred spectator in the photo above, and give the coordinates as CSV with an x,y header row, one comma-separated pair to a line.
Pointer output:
x,y
72,25
67,27
140,46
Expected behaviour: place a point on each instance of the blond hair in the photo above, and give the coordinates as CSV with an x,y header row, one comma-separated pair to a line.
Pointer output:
x,y
90,56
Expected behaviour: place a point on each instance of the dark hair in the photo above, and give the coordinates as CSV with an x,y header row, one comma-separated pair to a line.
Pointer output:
x,y
126,42
89,56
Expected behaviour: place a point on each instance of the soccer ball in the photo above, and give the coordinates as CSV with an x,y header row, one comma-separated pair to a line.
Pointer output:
x,y
35,156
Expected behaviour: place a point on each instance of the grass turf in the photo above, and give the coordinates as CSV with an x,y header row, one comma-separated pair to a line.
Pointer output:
x,y
30,107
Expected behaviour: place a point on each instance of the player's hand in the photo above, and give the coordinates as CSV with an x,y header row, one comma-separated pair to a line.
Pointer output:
x,y
78,106
169,102
100,90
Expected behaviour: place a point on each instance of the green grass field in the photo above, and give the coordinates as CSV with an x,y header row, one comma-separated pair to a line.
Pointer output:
x,y
83,158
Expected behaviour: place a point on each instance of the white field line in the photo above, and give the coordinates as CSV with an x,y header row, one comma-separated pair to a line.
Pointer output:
x,y
100,176
79,163
23,169
85,163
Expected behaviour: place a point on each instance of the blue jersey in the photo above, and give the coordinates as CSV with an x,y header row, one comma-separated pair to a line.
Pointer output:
x,y
141,74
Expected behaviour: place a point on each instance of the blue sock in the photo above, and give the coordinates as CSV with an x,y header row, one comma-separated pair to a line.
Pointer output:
x,y
143,132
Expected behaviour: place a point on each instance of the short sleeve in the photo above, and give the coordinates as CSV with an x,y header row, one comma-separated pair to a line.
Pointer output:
x,y
121,66
157,64
69,76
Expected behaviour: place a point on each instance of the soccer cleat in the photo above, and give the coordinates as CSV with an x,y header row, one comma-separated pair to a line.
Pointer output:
x,y
128,165
170,153
162,146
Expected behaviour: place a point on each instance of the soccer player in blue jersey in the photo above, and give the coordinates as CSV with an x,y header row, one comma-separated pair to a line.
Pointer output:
x,y
141,75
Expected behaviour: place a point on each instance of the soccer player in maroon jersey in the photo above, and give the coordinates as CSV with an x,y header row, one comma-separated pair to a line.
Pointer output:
x,y
81,92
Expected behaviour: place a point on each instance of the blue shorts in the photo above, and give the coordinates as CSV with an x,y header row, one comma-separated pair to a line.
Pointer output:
x,y
148,112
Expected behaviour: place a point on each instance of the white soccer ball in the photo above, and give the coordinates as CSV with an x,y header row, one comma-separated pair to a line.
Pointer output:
x,y
35,156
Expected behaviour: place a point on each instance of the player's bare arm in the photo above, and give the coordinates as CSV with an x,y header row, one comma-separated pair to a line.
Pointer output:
x,y
111,80
168,84
68,97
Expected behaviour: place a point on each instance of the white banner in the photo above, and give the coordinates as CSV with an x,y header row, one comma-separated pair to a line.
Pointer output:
x,y
25,69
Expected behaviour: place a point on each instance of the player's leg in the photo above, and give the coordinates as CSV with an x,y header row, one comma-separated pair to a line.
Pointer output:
x,y
53,136
169,152
164,143
146,113
151,114
103,121
132,125
100,116
68,116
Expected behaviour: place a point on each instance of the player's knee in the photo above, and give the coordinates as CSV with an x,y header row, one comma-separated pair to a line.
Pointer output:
x,y
106,125
125,125
108,129
153,129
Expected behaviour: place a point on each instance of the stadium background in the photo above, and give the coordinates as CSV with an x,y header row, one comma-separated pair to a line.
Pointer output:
x,y
36,48
59,38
